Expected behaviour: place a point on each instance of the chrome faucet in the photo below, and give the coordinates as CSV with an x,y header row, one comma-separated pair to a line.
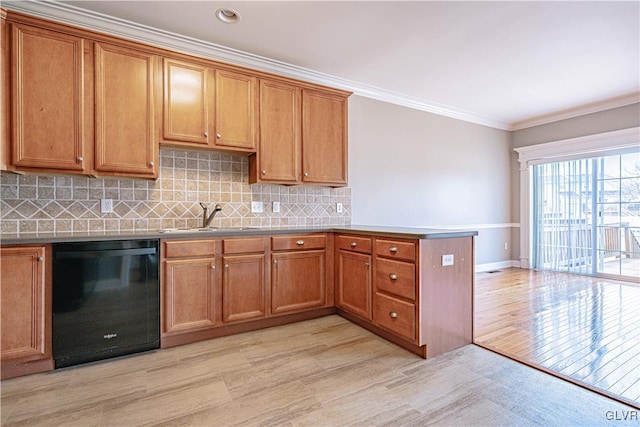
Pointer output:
x,y
206,218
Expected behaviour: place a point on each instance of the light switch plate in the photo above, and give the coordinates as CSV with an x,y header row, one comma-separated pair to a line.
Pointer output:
x,y
447,260
339,208
106,206
276,207
257,207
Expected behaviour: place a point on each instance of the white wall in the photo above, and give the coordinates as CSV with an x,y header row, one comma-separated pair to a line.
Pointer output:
x,y
417,169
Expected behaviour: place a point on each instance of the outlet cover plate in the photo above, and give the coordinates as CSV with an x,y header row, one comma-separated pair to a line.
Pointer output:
x,y
339,208
276,207
106,205
447,260
257,207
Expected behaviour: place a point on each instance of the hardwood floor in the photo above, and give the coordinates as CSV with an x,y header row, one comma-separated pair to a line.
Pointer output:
x,y
581,328
323,372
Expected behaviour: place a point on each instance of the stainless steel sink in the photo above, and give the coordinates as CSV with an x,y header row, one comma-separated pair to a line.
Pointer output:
x,y
204,229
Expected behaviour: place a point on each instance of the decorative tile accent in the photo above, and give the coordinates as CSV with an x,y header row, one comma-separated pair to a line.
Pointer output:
x,y
39,203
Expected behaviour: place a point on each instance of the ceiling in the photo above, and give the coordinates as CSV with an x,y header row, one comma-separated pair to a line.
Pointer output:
x,y
504,64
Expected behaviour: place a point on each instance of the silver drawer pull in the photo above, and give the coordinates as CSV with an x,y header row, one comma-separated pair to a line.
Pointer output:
x,y
218,136
213,267
300,242
393,314
393,249
40,259
79,159
393,276
226,266
354,244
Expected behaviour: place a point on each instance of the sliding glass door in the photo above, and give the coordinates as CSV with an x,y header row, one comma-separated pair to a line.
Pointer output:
x,y
586,216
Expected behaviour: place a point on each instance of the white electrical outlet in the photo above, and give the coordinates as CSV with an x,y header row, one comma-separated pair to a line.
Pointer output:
x,y
447,260
339,208
257,207
276,207
506,246
106,206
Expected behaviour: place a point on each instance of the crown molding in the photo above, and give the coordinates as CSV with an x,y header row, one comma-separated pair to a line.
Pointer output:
x,y
75,16
71,15
620,101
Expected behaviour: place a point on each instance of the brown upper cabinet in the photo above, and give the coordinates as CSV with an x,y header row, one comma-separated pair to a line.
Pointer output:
x,y
324,138
80,102
206,107
47,103
302,136
81,107
126,105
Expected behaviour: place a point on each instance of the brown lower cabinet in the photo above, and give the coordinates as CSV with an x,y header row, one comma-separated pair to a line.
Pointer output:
x,y
413,299
26,310
188,286
215,287
244,279
401,289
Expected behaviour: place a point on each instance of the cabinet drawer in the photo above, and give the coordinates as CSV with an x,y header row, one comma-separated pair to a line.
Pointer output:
x,y
243,246
355,244
396,277
301,242
396,249
189,248
395,315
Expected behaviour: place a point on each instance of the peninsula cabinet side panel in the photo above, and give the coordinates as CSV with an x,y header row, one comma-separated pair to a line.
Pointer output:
x,y
446,308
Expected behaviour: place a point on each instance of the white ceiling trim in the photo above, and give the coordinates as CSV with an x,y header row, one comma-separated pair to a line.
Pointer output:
x,y
620,101
72,15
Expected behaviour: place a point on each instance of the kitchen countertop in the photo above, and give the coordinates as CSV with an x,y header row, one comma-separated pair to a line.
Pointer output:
x,y
389,231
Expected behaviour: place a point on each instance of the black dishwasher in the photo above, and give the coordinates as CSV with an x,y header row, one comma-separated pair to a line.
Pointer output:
x,y
106,300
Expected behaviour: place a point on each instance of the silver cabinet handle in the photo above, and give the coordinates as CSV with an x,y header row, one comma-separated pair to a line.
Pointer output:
x,y
206,134
393,276
264,172
354,244
226,266
151,164
213,267
80,159
393,314
300,242
393,249
40,259
218,136
306,174
366,264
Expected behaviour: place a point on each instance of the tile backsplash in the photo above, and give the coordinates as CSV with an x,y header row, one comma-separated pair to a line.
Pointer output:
x,y
38,203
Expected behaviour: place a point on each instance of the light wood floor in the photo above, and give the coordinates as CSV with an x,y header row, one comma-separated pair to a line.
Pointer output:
x,y
323,372
582,328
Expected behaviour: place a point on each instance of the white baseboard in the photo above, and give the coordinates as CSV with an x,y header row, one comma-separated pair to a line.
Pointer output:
x,y
480,268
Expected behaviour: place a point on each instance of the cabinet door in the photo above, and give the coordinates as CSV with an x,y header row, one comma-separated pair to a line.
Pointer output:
x,y
26,328
298,281
354,283
279,141
126,105
235,114
188,295
324,138
243,287
186,102
47,95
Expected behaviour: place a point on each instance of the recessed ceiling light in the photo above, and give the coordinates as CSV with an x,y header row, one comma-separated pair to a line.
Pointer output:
x,y
228,16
